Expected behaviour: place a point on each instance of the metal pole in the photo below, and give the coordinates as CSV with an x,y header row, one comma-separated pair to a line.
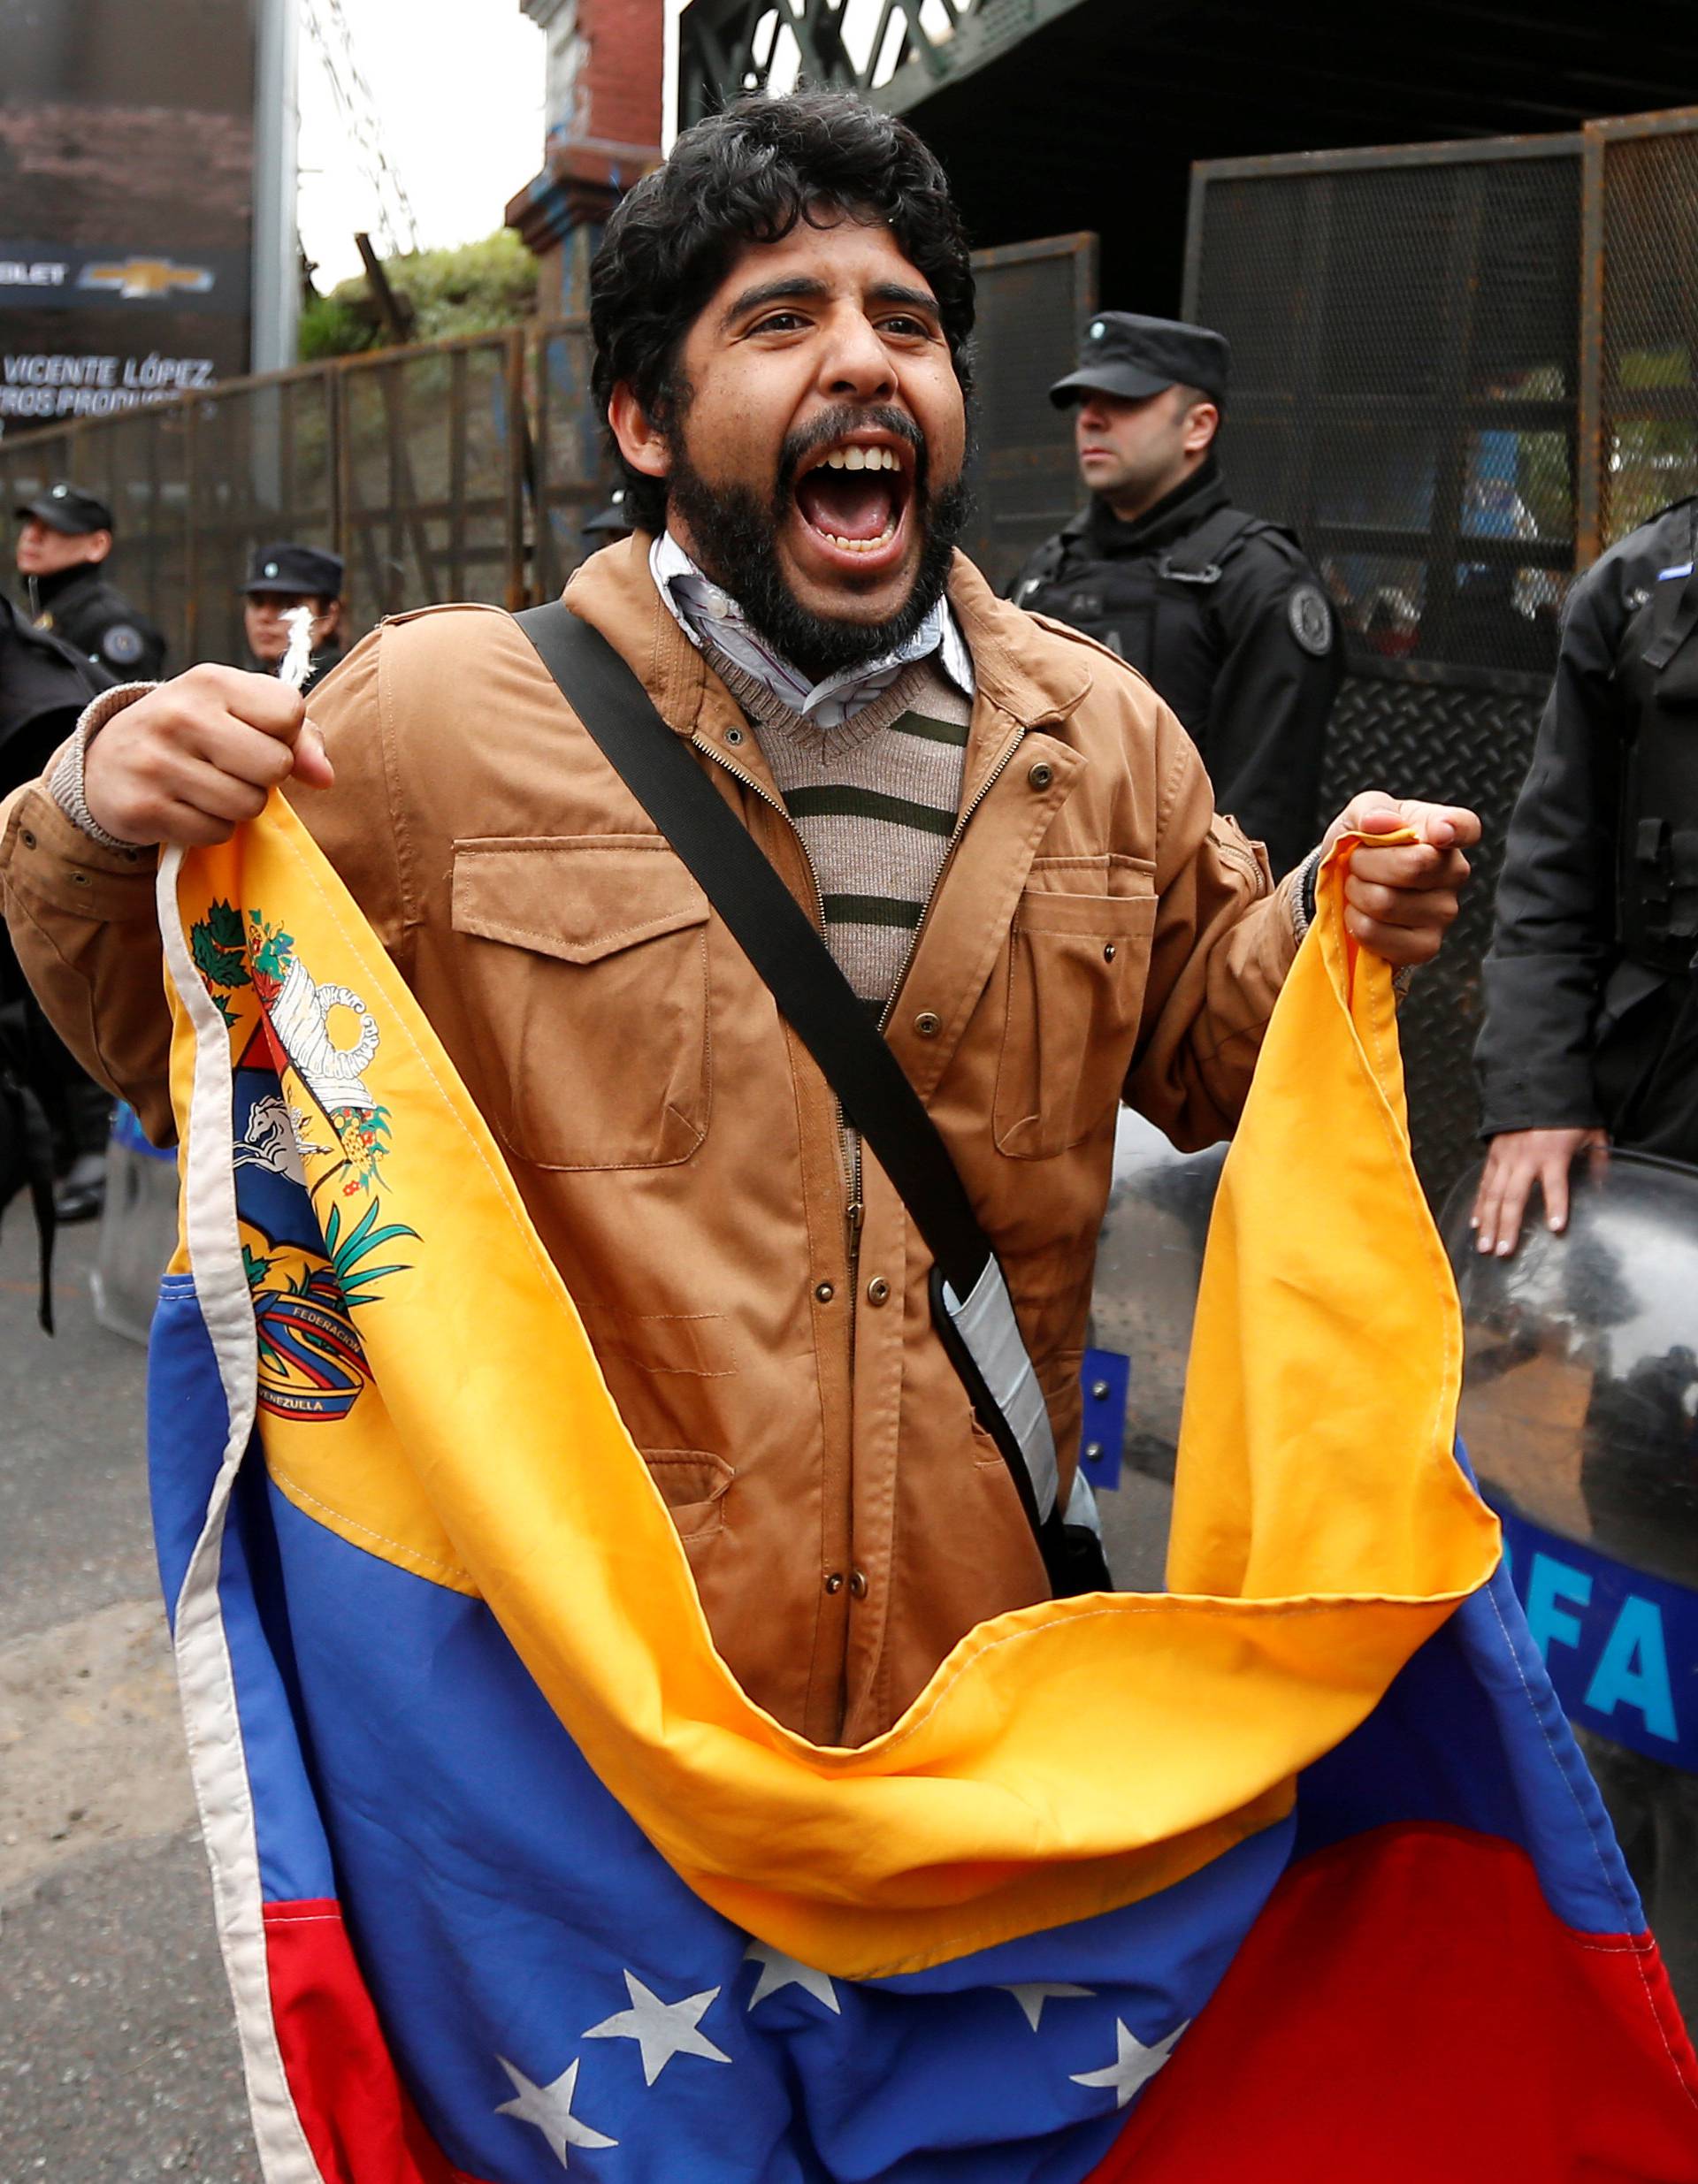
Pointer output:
x,y
276,256
1590,512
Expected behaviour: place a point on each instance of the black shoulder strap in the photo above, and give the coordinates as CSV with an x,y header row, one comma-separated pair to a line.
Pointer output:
x,y
1043,568
1674,606
1198,557
971,1301
770,927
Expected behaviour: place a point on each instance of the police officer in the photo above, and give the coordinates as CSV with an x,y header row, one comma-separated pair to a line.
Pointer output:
x,y
1591,1038
609,525
44,685
1221,610
280,579
62,548
1591,1021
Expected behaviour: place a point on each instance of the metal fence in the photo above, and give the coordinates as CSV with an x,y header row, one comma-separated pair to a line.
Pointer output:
x,y
1033,298
1459,371
460,470
464,470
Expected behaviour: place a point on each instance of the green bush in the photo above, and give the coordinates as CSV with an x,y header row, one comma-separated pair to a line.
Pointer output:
x,y
476,288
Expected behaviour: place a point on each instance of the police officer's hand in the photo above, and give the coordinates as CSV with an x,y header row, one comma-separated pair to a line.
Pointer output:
x,y
1401,902
1517,1160
188,762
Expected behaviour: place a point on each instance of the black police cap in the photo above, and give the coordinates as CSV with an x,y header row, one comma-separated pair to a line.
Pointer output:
x,y
66,508
295,571
1124,353
610,522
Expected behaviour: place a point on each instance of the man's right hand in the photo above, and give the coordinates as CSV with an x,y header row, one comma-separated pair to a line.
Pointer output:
x,y
194,759
1517,1160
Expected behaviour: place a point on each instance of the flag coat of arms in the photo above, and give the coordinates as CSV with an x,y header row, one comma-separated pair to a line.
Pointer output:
x,y
1291,1872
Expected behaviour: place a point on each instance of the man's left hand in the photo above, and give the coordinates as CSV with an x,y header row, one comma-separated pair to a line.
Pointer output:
x,y
1401,902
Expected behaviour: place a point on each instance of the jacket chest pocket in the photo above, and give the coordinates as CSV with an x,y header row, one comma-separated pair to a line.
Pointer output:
x,y
588,967
1076,971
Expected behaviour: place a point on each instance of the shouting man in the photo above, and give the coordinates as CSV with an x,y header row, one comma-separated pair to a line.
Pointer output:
x,y
1006,838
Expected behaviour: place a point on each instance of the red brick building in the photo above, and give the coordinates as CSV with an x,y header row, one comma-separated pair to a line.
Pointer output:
x,y
603,107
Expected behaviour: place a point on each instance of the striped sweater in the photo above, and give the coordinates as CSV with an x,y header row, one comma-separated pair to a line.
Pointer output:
x,y
874,800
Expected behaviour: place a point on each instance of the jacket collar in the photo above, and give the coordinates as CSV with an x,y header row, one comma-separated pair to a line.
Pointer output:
x,y
46,592
1177,511
616,593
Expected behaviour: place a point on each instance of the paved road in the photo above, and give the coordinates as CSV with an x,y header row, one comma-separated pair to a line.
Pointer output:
x,y
117,2062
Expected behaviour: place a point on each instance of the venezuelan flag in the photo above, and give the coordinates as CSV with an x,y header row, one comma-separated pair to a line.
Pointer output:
x,y
1290,1873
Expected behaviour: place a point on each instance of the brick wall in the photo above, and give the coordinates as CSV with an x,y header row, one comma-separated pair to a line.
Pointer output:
x,y
622,74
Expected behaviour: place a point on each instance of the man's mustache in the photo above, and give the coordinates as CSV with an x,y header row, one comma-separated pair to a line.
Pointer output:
x,y
832,426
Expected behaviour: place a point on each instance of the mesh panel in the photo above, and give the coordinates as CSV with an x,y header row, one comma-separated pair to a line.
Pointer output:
x,y
1455,745
1650,325
1405,343
1031,303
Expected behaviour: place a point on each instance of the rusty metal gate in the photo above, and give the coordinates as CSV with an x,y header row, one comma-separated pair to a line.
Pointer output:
x,y
464,470
1460,371
461,470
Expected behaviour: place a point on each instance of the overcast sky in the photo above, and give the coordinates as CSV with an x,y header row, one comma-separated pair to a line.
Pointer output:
x,y
458,87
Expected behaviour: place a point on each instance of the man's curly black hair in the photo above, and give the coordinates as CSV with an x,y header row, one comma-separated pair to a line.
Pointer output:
x,y
748,175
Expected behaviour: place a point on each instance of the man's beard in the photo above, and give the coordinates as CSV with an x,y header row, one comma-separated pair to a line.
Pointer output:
x,y
735,532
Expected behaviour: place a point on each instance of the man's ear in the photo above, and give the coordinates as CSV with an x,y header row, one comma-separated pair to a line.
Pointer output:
x,y
100,545
642,441
1202,423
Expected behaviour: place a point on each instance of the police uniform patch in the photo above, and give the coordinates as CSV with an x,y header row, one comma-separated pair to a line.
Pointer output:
x,y
1310,619
122,644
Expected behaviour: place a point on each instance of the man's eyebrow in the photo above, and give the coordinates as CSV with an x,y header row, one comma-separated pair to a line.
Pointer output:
x,y
893,292
800,286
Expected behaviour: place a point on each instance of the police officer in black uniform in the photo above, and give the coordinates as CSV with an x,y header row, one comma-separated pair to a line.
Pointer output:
x,y
1219,610
62,550
44,685
1591,1038
1591,1023
283,577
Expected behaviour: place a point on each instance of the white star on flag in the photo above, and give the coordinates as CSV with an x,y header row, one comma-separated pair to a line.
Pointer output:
x,y
777,1970
550,2108
1032,1993
1134,2065
660,2029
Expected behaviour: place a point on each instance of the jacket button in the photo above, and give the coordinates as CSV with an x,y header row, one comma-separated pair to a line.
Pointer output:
x,y
27,837
858,1584
927,1023
879,1290
823,1293
733,734
834,1582
1041,775
1108,951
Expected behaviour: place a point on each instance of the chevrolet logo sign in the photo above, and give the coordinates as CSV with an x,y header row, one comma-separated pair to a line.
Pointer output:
x,y
148,277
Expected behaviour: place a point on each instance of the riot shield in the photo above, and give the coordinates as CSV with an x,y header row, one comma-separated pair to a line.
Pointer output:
x,y
1579,1412
1148,1259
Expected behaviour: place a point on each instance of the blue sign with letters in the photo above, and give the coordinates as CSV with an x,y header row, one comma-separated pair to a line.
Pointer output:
x,y
1621,1645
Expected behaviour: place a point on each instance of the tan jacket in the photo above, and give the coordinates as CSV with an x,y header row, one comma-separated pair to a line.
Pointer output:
x,y
1096,930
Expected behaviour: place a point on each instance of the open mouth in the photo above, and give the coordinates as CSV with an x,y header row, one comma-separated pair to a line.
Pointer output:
x,y
855,493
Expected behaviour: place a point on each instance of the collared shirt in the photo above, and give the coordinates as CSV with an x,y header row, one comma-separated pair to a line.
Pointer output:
x,y
714,621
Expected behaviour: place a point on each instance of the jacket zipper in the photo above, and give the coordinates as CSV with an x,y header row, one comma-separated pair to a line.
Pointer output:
x,y
846,1160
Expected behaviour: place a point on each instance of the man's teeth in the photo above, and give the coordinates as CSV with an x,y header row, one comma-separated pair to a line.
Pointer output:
x,y
864,545
862,459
